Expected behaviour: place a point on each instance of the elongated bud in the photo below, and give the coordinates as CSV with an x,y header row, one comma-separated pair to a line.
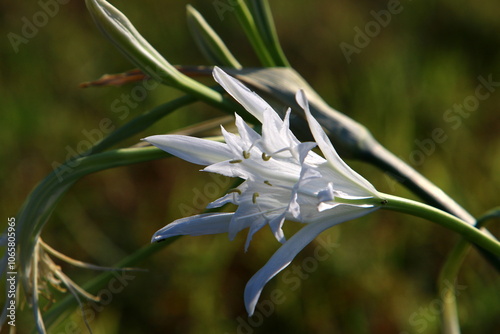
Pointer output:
x,y
120,31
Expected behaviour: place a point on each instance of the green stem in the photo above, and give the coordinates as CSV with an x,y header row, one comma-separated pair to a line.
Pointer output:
x,y
446,283
468,231
140,123
449,273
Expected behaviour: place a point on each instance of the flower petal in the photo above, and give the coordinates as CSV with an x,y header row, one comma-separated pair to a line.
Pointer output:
x,y
247,133
208,223
286,253
195,150
256,226
327,148
227,198
252,102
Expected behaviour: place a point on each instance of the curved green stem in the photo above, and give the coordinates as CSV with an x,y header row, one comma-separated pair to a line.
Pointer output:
x,y
448,275
468,231
39,205
446,287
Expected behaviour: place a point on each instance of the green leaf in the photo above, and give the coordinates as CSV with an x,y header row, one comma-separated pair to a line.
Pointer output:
x,y
210,44
256,39
265,25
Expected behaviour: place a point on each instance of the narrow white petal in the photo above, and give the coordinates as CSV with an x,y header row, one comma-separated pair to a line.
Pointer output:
x,y
293,206
247,133
208,223
244,217
286,253
276,225
228,198
285,130
253,229
195,150
228,169
329,151
234,143
252,102
327,206
272,137
302,151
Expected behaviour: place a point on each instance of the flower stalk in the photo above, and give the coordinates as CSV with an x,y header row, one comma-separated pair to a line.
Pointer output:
x,y
466,230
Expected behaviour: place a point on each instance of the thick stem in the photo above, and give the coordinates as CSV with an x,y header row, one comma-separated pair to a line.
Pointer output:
x,y
448,276
415,182
422,187
466,230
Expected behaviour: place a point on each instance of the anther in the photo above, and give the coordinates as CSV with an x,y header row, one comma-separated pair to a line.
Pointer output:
x,y
234,190
237,161
268,183
246,154
254,197
265,157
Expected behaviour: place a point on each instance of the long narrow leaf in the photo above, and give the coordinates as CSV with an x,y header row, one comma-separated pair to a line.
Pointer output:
x,y
210,44
265,25
247,22
42,201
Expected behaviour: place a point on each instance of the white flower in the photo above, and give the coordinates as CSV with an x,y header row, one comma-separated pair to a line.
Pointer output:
x,y
284,180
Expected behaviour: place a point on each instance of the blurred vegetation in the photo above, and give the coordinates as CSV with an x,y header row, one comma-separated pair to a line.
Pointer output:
x,y
380,277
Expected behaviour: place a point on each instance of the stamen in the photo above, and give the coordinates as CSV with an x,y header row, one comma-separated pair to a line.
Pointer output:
x,y
234,190
283,150
254,197
253,144
237,161
268,183
265,157
246,154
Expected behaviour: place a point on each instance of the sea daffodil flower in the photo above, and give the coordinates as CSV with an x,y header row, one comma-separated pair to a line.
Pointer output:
x,y
284,180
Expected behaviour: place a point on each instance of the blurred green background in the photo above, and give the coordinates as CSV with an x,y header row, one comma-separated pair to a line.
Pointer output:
x,y
381,274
